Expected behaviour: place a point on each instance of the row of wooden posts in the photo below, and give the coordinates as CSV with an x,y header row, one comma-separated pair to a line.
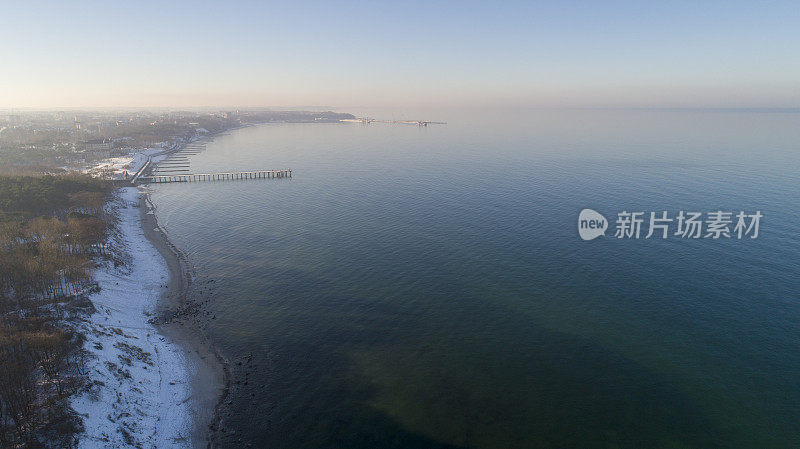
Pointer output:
x,y
196,177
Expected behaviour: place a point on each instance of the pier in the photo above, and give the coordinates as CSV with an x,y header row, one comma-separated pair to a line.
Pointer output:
x,y
199,177
174,167
368,120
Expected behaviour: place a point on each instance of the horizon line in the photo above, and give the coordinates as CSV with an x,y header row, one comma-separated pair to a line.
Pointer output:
x,y
316,108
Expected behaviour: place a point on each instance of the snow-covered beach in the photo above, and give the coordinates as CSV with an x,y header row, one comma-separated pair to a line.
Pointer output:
x,y
151,386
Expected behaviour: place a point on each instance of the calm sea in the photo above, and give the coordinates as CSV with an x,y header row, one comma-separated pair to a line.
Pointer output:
x,y
427,287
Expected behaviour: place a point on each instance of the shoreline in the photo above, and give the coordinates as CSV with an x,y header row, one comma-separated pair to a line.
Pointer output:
x,y
209,385
156,380
178,320
142,378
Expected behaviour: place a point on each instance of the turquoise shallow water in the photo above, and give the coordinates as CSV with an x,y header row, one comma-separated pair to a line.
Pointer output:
x,y
426,287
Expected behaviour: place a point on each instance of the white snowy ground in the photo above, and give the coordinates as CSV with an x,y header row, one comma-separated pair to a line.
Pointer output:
x,y
117,166
141,391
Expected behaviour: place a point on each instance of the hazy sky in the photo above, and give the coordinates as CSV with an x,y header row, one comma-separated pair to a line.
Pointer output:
x,y
401,53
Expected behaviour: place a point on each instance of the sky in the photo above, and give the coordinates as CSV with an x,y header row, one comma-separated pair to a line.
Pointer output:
x,y
402,53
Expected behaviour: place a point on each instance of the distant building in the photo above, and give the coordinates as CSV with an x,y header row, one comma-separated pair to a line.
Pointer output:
x,y
99,144
100,147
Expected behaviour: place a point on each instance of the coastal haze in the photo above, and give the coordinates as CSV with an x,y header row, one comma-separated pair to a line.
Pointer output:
x,y
356,54
426,287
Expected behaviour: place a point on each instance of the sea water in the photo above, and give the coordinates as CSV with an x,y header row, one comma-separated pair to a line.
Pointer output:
x,y
427,287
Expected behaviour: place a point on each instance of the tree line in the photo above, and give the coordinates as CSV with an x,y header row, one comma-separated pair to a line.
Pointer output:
x,y
51,230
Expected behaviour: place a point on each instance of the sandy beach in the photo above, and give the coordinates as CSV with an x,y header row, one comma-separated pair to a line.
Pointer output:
x,y
210,380
155,380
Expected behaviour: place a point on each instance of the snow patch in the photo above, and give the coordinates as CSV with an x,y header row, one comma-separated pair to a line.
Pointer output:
x,y
140,393
115,167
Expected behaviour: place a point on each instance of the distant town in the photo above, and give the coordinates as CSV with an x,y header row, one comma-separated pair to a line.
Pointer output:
x,y
53,142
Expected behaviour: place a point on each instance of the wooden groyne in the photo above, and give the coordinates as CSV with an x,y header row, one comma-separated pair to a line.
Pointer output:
x,y
230,176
